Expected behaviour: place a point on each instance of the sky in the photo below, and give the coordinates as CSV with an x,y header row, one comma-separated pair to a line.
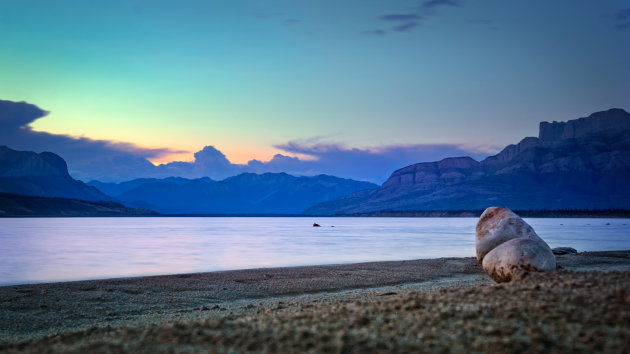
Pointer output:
x,y
353,88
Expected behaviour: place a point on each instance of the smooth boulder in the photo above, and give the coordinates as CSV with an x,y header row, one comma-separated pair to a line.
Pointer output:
x,y
511,259
507,246
498,225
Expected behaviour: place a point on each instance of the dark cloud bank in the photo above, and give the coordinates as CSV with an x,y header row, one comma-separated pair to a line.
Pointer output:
x,y
405,22
86,157
110,161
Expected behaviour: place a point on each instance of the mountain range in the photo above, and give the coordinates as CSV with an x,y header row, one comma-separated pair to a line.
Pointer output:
x,y
46,175
579,164
246,193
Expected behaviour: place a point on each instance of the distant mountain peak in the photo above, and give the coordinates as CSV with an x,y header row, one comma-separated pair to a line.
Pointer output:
x,y
28,164
246,193
41,174
614,119
620,112
579,164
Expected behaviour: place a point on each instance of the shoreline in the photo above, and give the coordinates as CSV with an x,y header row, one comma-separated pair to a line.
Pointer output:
x,y
625,215
542,214
36,312
288,268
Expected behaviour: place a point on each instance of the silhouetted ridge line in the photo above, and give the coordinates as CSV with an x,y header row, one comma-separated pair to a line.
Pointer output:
x,y
579,164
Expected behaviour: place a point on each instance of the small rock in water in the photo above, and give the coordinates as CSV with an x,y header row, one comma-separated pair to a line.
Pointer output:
x,y
563,250
507,246
316,224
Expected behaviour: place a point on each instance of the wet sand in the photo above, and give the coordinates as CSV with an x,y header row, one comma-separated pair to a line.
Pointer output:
x,y
443,304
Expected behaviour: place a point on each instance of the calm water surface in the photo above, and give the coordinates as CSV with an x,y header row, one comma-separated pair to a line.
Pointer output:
x,y
36,250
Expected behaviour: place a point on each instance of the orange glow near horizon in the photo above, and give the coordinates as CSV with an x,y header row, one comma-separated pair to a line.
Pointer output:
x,y
180,156
237,155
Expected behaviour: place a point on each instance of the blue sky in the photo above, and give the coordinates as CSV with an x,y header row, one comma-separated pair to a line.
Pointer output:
x,y
255,79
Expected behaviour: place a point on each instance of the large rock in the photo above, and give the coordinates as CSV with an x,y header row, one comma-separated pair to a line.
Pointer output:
x,y
515,257
507,246
498,225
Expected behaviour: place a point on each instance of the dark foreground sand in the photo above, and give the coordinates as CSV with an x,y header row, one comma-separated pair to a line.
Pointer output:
x,y
439,305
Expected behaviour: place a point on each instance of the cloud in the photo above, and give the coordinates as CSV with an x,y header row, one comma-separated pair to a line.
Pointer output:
x,y
210,155
86,158
115,161
209,162
375,164
432,4
367,164
15,115
622,19
622,15
412,20
291,21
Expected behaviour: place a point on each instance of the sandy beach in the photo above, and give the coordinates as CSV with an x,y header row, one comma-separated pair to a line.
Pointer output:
x,y
436,305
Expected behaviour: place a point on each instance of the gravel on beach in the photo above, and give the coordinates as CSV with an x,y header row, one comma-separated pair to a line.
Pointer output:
x,y
583,307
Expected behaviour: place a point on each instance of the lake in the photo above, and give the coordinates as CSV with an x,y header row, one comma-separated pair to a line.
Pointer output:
x,y
35,250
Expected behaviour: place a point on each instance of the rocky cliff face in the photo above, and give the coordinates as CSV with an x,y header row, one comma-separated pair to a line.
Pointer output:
x,y
612,119
583,163
44,174
16,164
447,171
